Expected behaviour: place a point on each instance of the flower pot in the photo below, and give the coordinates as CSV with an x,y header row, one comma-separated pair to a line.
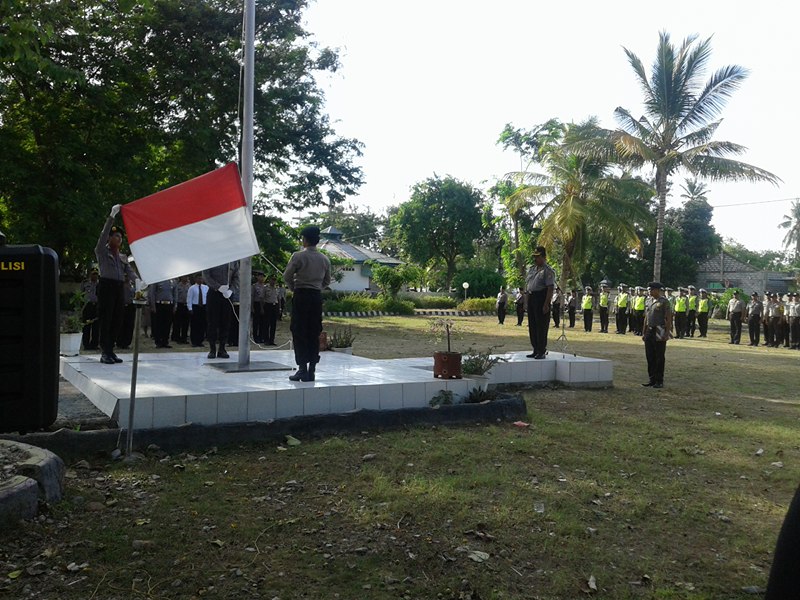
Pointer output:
x,y
348,350
481,381
70,344
447,365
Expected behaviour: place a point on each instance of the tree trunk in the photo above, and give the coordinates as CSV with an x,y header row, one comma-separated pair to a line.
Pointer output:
x,y
517,253
661,189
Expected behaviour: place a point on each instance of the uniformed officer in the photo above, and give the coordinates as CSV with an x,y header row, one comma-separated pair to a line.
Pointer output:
x,y
557,306
273,310
500,305
656,331
587,306
539,287
734,315
703,310
180,320
220,280
774,311
603,303
259,309
128,315
307,274
621,304
681,308
196,303
639,303
691,313
91,328
794,321
113,266
161,296
572,304
519,303
755,309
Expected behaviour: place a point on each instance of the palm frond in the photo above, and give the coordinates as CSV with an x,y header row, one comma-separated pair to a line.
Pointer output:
x,y
641,75
638,127
716,168
631,147
699,136
712,99
718,148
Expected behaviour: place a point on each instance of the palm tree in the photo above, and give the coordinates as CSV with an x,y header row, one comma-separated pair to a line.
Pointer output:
x,y
792,223
681,116
694,190
579,191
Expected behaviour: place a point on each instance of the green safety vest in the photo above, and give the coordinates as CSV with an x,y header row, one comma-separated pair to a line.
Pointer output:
x,y
692,302
622,300
639,302
703,305
680,304
587,302
604,299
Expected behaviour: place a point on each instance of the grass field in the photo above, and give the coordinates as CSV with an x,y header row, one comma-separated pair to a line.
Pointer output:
x,y
673,493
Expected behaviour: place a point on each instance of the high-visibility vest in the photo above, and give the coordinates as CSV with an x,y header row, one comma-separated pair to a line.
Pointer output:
x,y
680,304
703,306
604,299
587,302
692,302
639,302
622,300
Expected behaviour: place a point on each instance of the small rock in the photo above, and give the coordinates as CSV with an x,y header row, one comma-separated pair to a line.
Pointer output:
x,y
177,583
116,454
777,465
369,457
759,452
82,465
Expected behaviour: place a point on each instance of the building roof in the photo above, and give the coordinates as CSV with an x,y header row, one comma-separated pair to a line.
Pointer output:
x,y
332,242
729,264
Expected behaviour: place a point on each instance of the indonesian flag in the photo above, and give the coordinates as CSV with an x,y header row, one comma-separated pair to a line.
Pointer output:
x,y
192,226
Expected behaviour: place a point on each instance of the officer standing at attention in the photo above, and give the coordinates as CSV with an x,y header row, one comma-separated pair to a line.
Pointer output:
x,y
639,303
180,320
539,285
681,307
755,308
128,315
91,329
703,309
557,306
656,328
220,280
734,315
794,321
587,306
603,308
500,305
519,302
273,307
113,267
259,309
161,296
773,310
621,303
307,274
196,302
572,303
691,313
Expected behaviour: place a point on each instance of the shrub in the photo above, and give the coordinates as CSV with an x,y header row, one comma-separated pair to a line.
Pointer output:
x,y
482,282
393,305
478,304
353,302
431,301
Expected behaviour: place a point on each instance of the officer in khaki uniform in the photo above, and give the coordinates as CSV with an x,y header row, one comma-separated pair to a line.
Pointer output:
x,y
755,309
539,286
656,331
734,314
259,308
180,320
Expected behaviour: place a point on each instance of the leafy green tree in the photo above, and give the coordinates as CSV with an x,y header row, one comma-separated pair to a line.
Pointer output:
x,y
362,227
439,222
681,117
694,190
693,221
766,260
791,222
391,280
483,283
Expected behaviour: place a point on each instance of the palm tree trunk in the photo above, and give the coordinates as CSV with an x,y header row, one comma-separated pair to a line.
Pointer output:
x,y
517,253
661,188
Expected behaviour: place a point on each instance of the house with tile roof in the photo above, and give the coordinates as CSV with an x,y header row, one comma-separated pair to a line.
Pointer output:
x,y
721,271
358,276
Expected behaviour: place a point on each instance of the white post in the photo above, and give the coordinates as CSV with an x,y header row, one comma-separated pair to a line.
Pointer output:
x,y
245,265
134,370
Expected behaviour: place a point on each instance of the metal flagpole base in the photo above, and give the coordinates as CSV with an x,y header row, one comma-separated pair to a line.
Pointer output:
x,y
139,304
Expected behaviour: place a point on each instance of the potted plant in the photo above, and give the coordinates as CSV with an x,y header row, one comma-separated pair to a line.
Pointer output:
x,y
477,363
72,326
446,365
341,340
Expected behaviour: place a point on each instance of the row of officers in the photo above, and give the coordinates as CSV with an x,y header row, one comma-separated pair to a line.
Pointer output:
x,y
182,311
775,317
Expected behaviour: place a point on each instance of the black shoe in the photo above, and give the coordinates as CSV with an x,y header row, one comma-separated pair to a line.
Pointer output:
x,y
299,374
540,356
222,353
648,384
531,355
213,352
115,358
658,386
107,360
310,373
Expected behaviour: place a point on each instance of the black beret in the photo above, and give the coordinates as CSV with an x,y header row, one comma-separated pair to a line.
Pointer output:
x,y
655,285
311,233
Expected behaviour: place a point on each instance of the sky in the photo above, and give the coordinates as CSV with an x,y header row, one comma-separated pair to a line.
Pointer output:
x,y
428,85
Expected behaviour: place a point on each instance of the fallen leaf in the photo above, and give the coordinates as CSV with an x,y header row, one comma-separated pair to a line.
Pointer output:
x,y
592,583
14,574
521,424
369,457
478,556
74,567
292,441
759,452
777,465
217,543
141,522
37,568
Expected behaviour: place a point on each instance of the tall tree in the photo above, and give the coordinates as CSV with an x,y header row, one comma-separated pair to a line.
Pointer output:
x,y
791,223
693,222
681,117
362,227
440,221
694,190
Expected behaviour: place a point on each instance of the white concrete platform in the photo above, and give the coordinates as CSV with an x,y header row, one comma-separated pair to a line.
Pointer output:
x,y
174,388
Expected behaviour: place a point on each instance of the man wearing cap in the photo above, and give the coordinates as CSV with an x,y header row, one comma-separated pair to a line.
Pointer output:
x,y
603,303
500,305
91,328
572,304
307,274
755,308
519,303
734,314
703,309
655,333
539,286
681,306
113,266
621,304
639,305
558,299
587,306
773,310
691,312
220,280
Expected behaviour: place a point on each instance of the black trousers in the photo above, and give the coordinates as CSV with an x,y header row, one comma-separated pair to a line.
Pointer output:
x,y
125,337
736,327
259,322
794,328
91,331
604,319
306,325
571,313
772,330
784,576
655,352
638,321
702,323
218,318
588,316
691,317
556,310
501,313
162,322
271,322
520,312
110,308
622,319
198,324
180,323
754,329
538,321
680,324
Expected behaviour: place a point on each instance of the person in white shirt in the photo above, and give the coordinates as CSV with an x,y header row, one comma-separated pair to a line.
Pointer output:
x,y
196,303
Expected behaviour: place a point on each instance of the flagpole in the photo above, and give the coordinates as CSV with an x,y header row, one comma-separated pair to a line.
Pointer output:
x,y
245,265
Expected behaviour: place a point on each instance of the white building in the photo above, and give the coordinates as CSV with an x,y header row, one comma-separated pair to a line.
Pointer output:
x,y
358,276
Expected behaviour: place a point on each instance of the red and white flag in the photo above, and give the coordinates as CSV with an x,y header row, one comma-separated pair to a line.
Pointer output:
x,y
192,226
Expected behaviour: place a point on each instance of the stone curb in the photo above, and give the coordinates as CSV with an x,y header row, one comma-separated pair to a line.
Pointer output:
x,y
85,443
41,476
417,312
